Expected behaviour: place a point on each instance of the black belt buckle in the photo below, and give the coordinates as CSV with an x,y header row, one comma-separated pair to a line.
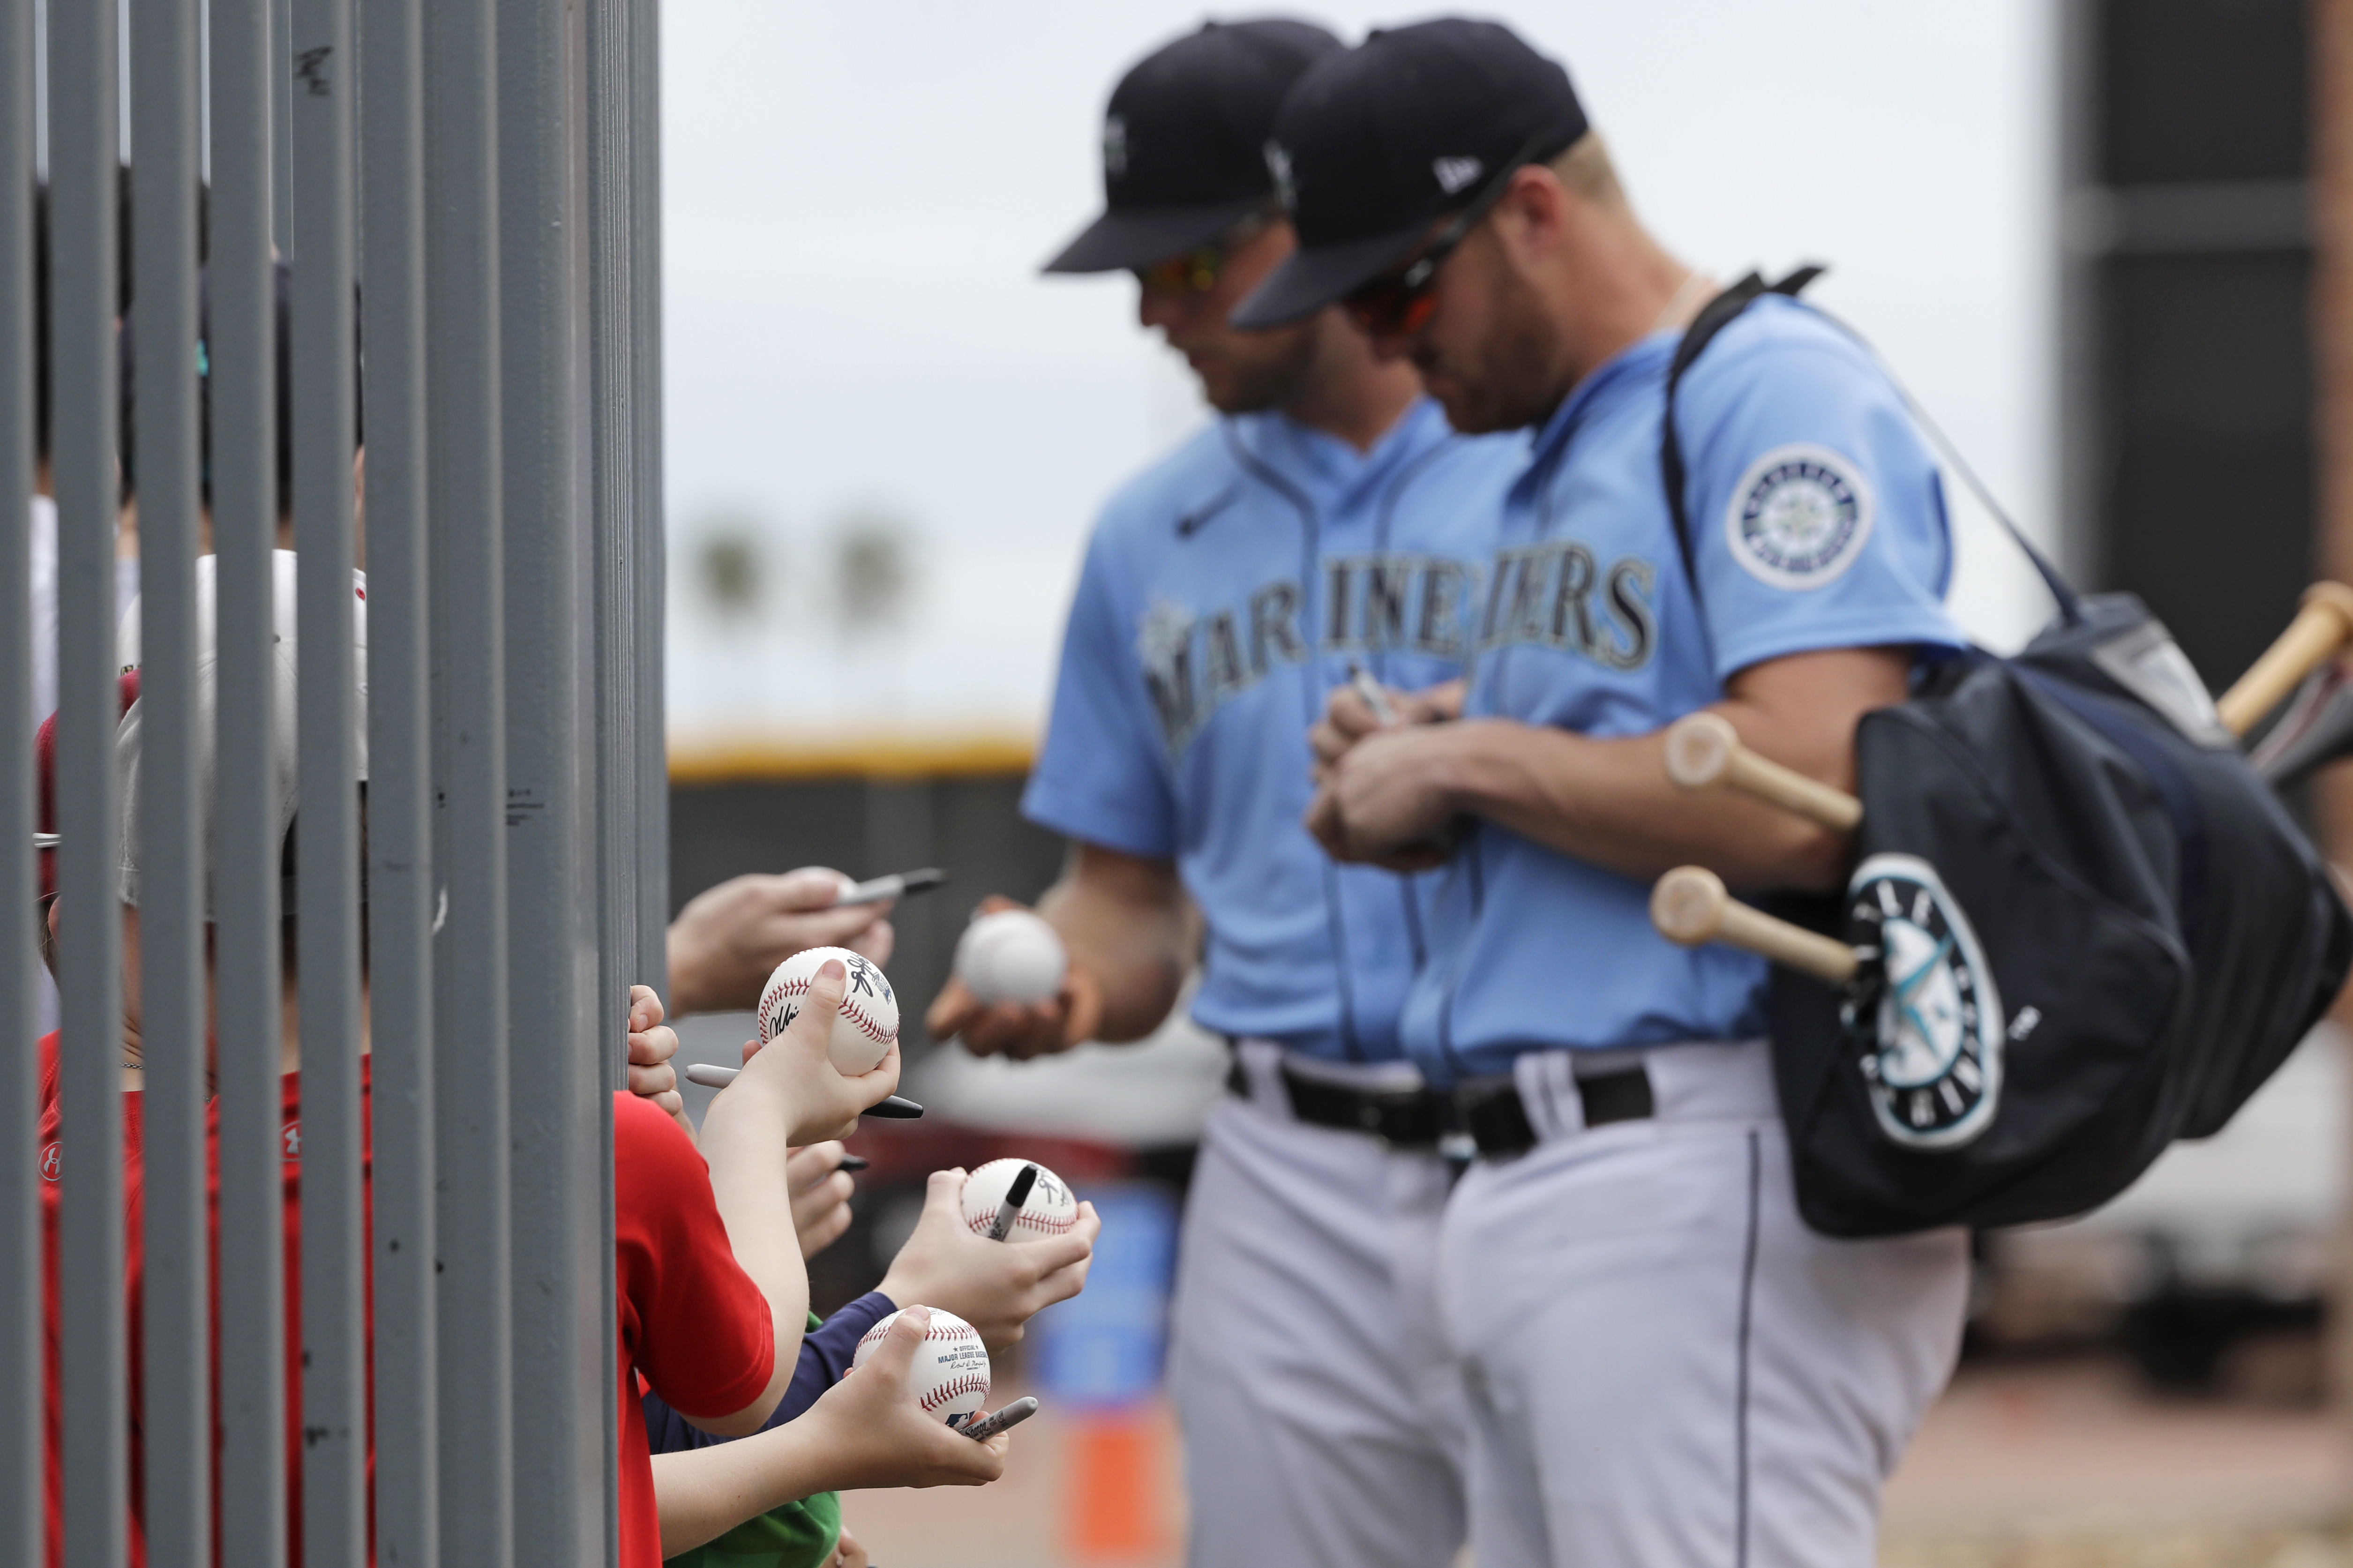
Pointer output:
x,y
1492,1111
1489,1110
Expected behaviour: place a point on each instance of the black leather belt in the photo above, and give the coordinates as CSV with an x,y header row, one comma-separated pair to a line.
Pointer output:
x,y
1487,1111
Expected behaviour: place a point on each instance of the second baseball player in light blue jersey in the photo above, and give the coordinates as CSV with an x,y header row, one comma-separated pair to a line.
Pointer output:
x,y
1225,592
1817,522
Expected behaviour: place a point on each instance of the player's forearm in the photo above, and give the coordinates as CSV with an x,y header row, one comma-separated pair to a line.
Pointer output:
x,y
703,1494
1134,932
1609,802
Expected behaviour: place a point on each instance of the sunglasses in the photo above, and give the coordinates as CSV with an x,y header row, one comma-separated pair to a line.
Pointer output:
x,y
1401,303
1197,271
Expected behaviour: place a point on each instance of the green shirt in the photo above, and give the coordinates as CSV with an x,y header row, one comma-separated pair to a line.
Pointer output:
x,y
799,1535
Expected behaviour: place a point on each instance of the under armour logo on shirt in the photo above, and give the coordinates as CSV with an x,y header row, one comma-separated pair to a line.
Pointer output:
x,y
1453,174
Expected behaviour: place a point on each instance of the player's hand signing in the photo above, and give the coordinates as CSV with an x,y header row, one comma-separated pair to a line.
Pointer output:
x,y
1387,800
1014,1029
1348,718
820,1190
793,1079
995,1287
728,938
651,1046
876,1435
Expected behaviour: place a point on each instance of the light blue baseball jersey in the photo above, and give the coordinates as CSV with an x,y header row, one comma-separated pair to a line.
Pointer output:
x,y
1818,522
1225,592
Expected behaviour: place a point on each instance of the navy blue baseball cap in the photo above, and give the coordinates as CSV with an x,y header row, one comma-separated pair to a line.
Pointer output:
x,y
1378,142
1184,147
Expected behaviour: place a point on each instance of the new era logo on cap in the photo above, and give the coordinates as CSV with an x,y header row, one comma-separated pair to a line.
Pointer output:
x,y
1278,163
1114,147
1454,174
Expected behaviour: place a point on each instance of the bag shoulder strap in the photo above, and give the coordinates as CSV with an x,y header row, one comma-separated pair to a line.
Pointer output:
x,y
1721,312
1717,314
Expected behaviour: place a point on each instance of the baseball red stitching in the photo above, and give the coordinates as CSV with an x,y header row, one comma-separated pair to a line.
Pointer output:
x,y
955,1388
1050,1224
849,1009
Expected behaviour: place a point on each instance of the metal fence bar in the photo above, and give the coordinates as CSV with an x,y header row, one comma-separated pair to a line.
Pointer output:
x,y
467,595
612,392
241,350
327,849
278,92
20,1188
400,780
177,1438
651,553
82,66
558,1017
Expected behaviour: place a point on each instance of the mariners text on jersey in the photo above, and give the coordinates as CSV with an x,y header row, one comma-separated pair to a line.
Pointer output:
x,y
1195,661
1225,592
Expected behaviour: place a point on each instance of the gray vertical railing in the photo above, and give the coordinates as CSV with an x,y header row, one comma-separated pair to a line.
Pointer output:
x,y
242,358
94,1380
556,1011
400,827
21,1469
468,597
644,220
326,822
614,468
177,1435
442,217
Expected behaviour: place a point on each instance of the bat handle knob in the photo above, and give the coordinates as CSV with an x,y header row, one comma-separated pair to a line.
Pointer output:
x,y
1700,748
1687,905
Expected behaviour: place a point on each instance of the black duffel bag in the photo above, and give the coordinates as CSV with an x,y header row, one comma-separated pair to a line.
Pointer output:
x,y
2088,929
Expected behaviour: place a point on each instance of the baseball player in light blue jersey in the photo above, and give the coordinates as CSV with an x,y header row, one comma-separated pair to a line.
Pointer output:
x,y
1330,520
1664,1366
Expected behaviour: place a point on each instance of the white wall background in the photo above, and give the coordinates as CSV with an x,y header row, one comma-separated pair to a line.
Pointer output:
x,y
858,197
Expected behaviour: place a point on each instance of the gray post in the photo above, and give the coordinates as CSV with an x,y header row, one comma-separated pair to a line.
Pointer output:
x,y
646,437
278,90
327,849
467,595
400,881
242,352
20,1187
613,378
558,1017
177,1440
82,98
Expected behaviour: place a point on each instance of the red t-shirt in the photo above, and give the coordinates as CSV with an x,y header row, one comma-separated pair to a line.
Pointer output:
x,y
692,1323
134,1279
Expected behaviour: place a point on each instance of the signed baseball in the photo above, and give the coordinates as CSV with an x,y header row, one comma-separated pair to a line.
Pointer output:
x,y
863,1031
1011,957
1050,1210
950,1376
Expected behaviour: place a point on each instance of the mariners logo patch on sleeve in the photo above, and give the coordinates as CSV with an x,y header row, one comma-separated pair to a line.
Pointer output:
x,y
1799,517
1930,1044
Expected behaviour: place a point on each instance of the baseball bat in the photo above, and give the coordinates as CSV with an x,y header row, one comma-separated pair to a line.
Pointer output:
x,y
2318,634
1704,751
1690,906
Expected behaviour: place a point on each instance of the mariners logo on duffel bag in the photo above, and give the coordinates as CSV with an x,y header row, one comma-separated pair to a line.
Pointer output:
x,y
1930,1047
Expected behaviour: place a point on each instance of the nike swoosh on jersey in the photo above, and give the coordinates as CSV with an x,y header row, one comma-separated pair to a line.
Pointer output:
x,y
1192,522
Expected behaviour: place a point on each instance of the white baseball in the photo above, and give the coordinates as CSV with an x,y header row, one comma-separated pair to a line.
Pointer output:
x,y
1011,957
863,1031
1050,1209
950,1374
